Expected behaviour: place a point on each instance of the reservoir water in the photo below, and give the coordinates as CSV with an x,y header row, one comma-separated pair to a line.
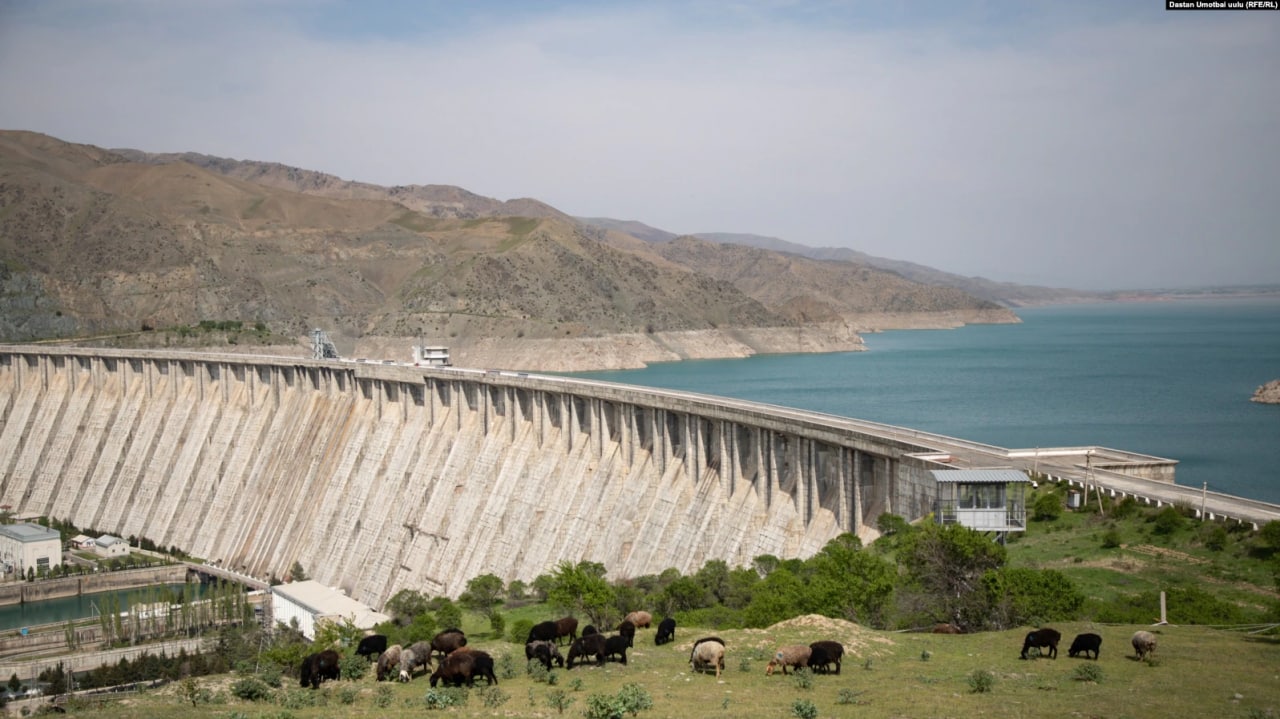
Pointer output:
x,y
1171,379
51,611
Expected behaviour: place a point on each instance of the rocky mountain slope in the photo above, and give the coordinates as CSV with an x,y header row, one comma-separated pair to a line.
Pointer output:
x,y
137,246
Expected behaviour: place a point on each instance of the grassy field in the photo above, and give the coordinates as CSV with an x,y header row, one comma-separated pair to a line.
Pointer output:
x,y
1197,672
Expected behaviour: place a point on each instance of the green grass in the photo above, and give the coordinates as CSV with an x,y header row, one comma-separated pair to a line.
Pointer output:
x,y
1197,672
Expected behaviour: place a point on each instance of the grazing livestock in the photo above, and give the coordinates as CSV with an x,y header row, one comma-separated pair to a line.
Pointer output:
x,y
642,620
463,665
1042,638
792,655
666,631
318,667
407,662
372,646
616,646
542,632
946,628
628,630
1085,643
825,653
567,628
707,652
591,645
1144,643
545,652
389,661
447,641
589,630
422,653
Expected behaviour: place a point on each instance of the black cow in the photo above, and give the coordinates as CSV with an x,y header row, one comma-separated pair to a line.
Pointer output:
x,y
1085,643
628,629
543,632
372,646
666,631
318,667
1042,638
616,646
591,645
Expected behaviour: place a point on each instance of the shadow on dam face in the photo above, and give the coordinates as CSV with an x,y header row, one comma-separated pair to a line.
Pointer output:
x,y
377,478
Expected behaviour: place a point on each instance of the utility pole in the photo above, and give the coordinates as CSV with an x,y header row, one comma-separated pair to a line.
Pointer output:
x,y
1204,490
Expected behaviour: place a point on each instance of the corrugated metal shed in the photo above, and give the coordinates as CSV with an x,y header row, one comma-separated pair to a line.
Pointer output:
x,y
980,476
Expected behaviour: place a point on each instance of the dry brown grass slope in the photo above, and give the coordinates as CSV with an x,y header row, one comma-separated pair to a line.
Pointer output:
x,y
93,242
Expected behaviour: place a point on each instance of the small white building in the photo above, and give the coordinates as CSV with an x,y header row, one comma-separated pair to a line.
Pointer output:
x,y
985,500
311,602
82,542
109,545
25,545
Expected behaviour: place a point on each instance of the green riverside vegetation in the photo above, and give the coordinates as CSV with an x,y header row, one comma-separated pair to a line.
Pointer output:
x,y
1098,569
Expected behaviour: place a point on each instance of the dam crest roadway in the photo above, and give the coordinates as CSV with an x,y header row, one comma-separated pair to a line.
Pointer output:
x,y
383,476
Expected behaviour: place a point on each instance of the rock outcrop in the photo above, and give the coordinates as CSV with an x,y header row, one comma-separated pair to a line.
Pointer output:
x,y
1268,393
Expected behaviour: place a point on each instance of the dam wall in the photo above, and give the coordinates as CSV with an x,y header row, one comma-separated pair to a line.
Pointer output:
x,y
378,477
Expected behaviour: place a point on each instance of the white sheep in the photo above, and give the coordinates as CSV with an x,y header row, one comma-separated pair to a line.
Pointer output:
x,y
1144,644
707,653
792,655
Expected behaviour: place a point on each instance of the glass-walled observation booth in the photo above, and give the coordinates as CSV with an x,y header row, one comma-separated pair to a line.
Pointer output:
x,y
985,500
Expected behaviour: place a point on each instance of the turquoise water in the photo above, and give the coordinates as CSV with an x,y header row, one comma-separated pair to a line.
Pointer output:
x,y
50,611
1171,379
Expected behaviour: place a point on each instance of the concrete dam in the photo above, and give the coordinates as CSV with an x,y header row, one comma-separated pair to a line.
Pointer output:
x,y
381,476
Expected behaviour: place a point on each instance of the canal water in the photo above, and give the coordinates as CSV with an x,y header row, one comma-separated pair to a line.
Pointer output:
x,y
51,611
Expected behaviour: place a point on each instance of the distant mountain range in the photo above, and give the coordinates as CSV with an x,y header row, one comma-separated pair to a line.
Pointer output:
x,y
108,242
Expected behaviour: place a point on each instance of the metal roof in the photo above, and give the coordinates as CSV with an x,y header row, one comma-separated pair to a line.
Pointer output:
x,y
29,532
321,600
980,476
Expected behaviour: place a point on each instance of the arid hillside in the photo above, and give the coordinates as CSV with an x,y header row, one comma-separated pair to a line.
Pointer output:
x,y
128,247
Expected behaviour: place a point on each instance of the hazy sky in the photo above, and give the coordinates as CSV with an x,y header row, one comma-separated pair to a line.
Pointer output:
x,y
1081,144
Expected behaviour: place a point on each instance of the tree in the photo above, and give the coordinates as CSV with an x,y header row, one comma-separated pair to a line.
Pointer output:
x,y
849,583
405,605
297,573
581,589
945,566
1029,596
483,594
779,596
15,684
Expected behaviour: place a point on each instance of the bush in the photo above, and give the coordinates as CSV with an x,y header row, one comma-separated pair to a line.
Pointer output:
x,y
804,709
493,697
1111,539
250,689
347,695
519,631
1047,507
353,667
1168,520
559,700
1088,673
802,678
981,681
445,697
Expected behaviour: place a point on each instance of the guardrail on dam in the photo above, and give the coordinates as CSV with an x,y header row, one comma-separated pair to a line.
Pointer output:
x,y
377,477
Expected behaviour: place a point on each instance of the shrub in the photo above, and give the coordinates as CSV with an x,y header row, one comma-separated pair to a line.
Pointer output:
x,y
848,696
634,698
1168,520
382,697
802,678
347,695
559,700
250,689
1111,538
301,698
493,697
804,709
1216,538
926,655
353,667
1047,507
444,698
981,681
519,631
1091,672
507,666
